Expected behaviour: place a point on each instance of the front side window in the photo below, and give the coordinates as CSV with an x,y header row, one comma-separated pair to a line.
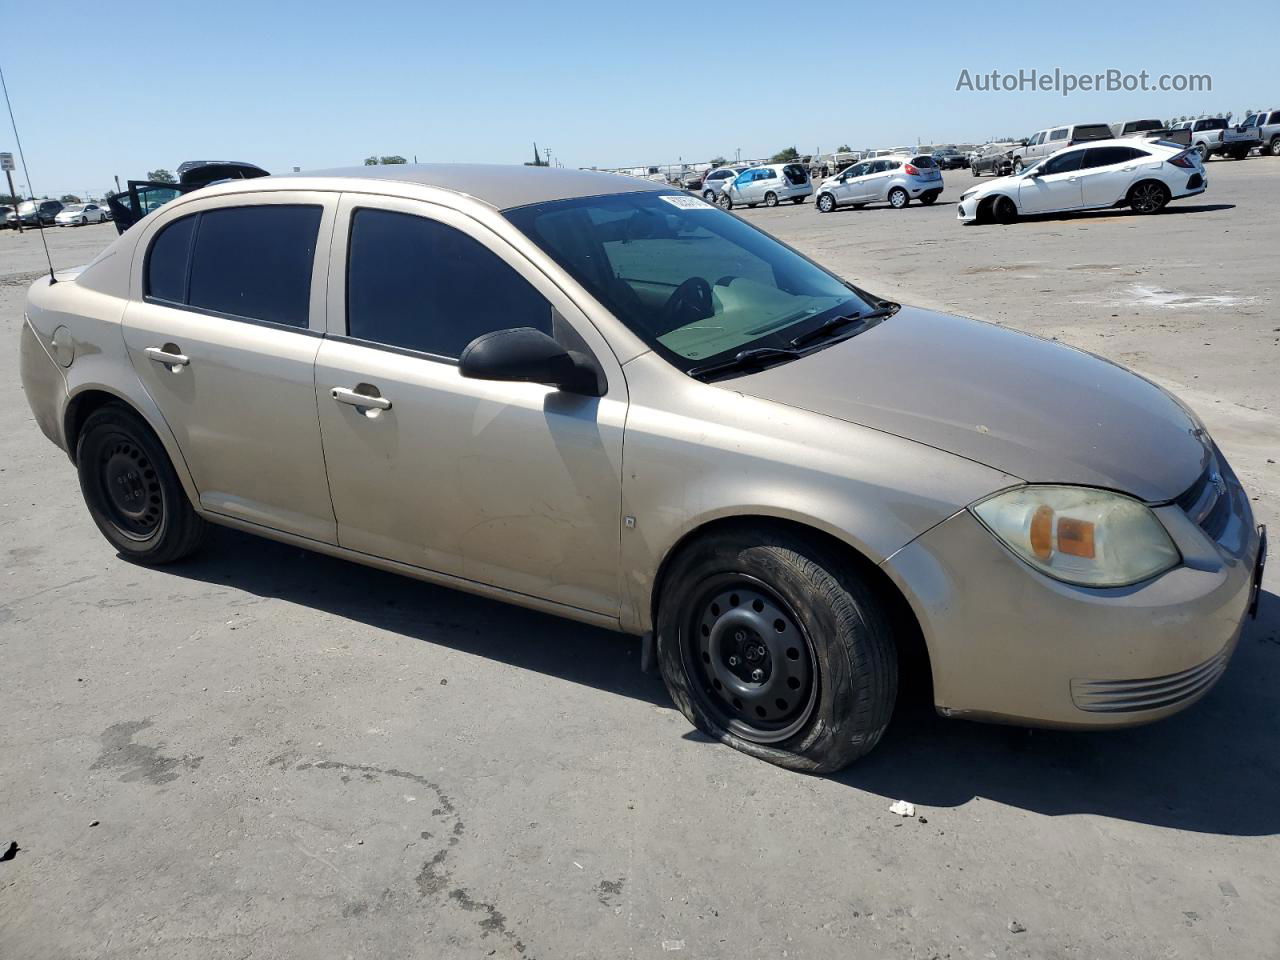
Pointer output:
x,y
695,283
418,284
255,262
1063,163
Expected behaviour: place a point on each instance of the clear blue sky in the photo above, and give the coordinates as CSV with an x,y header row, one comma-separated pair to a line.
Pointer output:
x,y
122,88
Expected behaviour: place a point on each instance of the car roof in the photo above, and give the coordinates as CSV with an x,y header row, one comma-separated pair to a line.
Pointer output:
x,y
500,186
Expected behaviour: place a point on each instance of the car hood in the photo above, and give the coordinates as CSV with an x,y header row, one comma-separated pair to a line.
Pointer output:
x,y
1030,407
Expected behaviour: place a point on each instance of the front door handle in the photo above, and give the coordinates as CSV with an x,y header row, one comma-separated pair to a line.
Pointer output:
x,y
345,395
168,355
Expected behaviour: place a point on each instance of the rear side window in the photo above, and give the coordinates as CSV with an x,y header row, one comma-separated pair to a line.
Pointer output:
x,y
1106,156
168,259
1275,116
421,285
1215,124
255,262
1059,134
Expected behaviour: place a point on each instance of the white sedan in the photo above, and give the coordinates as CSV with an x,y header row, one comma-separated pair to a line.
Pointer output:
x,y
1143,175
78,214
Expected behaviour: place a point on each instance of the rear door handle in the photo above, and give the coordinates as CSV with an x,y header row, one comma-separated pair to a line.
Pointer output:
x,y
170,359
345,395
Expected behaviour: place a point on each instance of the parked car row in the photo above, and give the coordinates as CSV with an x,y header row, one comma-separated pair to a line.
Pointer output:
x,y
33,213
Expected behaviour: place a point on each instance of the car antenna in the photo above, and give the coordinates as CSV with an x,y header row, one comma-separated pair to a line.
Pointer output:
x,y
26,173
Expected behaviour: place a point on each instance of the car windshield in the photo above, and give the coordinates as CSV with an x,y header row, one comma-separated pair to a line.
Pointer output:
x,y
695,283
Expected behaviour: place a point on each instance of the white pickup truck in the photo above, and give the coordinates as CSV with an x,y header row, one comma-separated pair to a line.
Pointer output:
x,y
1214,136
1266,126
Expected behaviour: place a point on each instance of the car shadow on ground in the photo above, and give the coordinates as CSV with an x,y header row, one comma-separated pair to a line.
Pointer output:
x,y
449,618
1212,769
1123,213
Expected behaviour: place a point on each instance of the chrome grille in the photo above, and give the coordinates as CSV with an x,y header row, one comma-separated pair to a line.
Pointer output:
x,y
1131,696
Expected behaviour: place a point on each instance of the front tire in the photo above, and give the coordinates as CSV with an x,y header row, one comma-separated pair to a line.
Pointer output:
x,y
132,491
898,198
1203,150
1017,165
84,221
770,643
1004,210
770,199
724,201
826,203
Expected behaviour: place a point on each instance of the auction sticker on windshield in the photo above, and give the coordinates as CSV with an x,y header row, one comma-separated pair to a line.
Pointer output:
x,y
688,203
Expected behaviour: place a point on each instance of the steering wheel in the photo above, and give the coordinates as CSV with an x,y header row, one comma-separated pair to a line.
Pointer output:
x,y
689,302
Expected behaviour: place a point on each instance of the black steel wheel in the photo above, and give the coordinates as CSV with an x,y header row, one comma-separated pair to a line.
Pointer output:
x,y
1149,196
753,663
131,489
773,643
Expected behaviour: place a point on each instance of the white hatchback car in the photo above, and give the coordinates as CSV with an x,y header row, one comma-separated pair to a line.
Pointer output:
x,y
769,184
896,179
1106,173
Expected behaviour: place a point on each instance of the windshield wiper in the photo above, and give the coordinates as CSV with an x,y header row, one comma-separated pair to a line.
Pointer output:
x,y
754,358
832,324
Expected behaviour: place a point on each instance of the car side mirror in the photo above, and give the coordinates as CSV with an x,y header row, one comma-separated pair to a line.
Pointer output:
x,y
526,355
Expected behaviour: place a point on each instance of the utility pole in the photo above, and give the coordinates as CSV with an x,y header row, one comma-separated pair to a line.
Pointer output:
x,y
6,161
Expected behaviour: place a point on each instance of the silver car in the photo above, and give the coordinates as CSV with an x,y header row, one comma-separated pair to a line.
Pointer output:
x,y
717,180
896,180
603,398
769,184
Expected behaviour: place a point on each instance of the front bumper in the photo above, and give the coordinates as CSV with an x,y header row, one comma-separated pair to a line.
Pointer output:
x,y
1007,643
967,210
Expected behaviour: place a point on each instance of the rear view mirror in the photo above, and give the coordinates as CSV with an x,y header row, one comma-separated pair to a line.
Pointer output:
x,y
523,354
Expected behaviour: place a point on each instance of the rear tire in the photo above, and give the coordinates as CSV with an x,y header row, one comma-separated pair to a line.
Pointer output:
x,y
709,196
1148,196
898,198
826,203
132,491
1275,146
770,199
928,198
773,645
797,199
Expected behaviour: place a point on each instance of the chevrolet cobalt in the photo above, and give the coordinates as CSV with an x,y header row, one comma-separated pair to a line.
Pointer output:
x,y
609,400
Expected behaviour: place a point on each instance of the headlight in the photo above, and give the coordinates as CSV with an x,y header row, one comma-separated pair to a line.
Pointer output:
x,y
967,194
1084,536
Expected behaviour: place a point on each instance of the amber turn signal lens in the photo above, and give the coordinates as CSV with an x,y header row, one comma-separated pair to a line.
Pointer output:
x,y
1042,532
1075,537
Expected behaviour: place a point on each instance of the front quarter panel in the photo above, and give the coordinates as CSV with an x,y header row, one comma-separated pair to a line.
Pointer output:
x,y
696,453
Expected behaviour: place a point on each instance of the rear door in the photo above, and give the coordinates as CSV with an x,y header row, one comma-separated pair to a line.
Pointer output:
x,y
224,321
513,485
1106,173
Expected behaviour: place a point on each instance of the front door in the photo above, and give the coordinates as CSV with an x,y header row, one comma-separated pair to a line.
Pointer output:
x,y
223,329
1055,186
514,485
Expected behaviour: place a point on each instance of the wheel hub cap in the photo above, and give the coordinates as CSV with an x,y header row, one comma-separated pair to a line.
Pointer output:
x,y
755,664
132,488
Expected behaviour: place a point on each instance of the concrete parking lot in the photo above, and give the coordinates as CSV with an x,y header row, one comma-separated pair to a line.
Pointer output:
x,y
267,753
